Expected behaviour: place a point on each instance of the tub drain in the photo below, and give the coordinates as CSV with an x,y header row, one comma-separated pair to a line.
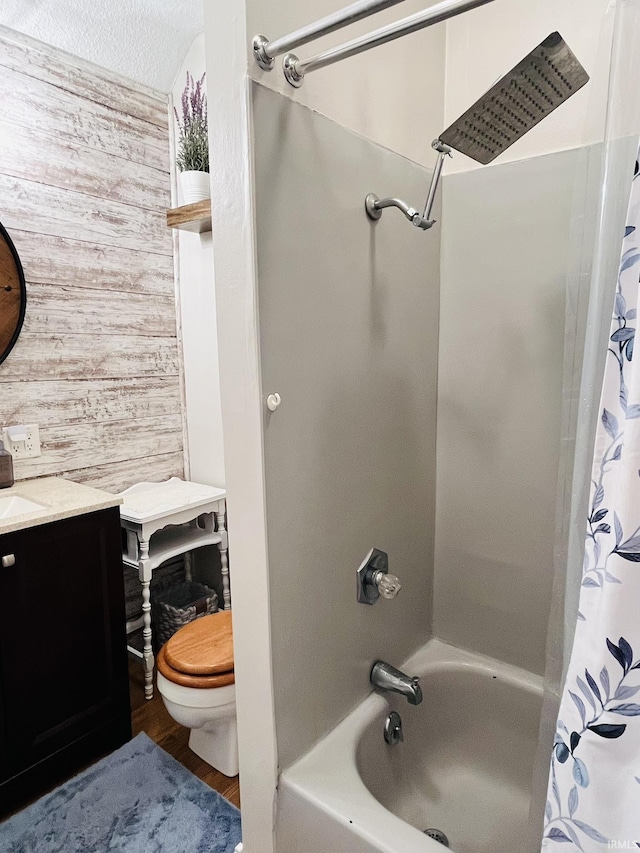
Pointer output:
x,y
437,835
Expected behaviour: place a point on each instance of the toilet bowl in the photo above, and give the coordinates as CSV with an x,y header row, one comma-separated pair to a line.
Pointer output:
x,y
197,684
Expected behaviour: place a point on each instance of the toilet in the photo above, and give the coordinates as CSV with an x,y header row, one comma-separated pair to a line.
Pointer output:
x,y
197,683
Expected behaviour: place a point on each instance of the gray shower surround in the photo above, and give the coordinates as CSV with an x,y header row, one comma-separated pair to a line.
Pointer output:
x,y
506,253
351,334
349,338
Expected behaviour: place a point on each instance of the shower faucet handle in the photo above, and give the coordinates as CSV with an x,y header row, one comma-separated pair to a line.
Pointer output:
x,y
374,580
388,585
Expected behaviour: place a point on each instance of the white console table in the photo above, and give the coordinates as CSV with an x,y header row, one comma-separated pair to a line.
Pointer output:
x,y
163,520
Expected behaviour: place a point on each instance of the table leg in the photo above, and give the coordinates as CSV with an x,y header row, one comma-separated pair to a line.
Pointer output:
x,y
223,547
147,648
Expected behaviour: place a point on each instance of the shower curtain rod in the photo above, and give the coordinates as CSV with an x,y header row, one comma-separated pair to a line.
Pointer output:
x,y
265,51
295,69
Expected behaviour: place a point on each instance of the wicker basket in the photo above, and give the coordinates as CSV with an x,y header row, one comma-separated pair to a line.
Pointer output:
x,y
165,576
179,604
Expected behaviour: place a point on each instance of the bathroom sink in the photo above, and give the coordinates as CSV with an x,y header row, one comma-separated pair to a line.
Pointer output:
x,y
15,505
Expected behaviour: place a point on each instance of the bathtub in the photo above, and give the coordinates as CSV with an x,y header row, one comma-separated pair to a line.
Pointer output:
x,y
465,766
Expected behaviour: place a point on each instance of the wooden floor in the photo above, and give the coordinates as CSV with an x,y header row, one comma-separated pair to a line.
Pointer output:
x,y
151,717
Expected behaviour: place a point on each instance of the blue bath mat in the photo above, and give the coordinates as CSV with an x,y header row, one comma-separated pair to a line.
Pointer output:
x,y
137,800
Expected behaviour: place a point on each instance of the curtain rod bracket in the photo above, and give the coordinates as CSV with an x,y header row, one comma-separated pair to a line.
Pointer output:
x,y
260,54
291,72
374,207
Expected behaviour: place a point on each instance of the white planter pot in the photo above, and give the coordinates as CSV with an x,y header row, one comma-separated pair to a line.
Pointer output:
x,y
195,186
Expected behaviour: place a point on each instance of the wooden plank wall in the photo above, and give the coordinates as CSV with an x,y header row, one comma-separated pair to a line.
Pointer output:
x,y
84,186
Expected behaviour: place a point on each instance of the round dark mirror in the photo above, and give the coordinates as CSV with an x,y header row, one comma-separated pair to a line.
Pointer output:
x,y
13,295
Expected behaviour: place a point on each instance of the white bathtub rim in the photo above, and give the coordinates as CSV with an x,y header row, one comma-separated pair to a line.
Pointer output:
x,y
438,656
328,776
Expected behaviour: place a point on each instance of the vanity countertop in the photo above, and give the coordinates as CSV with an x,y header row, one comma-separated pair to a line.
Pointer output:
x,y
58,499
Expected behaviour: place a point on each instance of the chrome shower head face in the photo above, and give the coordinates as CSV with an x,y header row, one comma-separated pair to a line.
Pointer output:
x,y
534,88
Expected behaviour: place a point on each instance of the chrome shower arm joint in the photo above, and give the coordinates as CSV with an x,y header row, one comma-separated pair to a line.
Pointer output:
x,y
374,207
441,147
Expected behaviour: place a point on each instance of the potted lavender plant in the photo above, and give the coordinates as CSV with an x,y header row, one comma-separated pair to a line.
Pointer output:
x,y
193,144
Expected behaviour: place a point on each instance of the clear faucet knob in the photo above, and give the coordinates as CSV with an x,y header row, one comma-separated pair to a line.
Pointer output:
x,y
388,585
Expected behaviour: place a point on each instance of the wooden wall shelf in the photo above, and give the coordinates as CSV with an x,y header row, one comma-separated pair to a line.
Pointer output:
x,y
191,217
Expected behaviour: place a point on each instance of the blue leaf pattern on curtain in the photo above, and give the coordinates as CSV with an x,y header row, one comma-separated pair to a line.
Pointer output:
x,y
593,799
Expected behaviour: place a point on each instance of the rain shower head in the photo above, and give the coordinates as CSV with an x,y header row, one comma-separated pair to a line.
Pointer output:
x,y
544,79
534,88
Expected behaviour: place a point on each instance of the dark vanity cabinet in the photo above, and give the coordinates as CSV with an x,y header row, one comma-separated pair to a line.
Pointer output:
x,y
64,689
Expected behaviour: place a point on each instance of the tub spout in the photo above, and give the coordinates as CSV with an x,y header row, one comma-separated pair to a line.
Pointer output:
x,y
387,677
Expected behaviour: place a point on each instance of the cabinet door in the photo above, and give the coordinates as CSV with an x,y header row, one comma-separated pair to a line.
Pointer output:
x,y
63,658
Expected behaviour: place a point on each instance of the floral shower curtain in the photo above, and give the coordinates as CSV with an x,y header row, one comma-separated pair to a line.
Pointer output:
x,y
593,801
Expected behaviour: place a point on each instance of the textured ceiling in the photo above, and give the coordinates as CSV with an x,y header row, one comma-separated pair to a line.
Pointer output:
x,y
146,40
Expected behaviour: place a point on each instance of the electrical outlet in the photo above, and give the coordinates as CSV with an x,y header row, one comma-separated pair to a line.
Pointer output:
x,y
23,442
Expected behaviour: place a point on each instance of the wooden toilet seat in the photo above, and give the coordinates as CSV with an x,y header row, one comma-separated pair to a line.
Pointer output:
x,y
200,654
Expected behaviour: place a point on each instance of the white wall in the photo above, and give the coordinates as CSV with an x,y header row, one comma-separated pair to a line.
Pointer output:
x,y
391,94
196,294
483,46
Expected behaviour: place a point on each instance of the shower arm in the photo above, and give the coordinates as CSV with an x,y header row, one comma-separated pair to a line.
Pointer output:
x,y
374,205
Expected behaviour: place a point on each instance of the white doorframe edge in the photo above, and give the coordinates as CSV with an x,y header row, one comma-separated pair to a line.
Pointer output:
x,y
232,213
